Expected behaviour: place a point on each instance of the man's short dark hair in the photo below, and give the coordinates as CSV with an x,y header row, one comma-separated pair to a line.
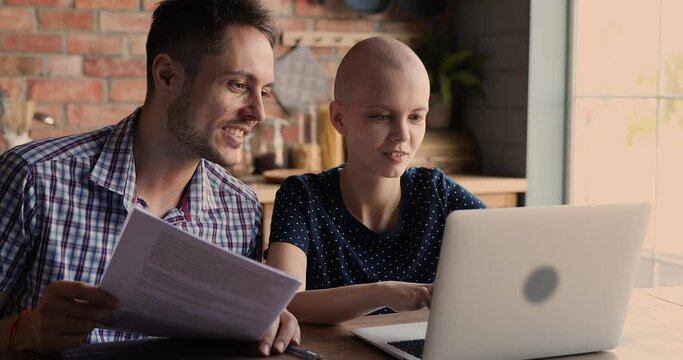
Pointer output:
x,y
189,29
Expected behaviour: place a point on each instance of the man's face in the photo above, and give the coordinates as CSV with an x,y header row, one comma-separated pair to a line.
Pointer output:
x,y
385,120
224,101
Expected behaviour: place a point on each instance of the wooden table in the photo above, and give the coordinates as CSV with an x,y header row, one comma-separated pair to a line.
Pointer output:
x,y
495,192
653,330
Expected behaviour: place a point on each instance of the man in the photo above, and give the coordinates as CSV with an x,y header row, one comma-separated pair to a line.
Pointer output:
x,y
63,201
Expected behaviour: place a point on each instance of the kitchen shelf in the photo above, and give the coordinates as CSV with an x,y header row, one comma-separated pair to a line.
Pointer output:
x,y
338,38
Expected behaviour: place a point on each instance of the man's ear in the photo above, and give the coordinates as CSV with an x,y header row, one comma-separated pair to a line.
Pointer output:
x,y
168,75
337,117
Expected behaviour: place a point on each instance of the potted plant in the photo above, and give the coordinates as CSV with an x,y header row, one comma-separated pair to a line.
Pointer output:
x,y
451,73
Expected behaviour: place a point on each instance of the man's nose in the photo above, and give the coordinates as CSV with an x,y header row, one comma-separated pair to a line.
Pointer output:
x,y
254,109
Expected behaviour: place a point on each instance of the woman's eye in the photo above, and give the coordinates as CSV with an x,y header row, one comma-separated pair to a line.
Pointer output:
x,y
416,117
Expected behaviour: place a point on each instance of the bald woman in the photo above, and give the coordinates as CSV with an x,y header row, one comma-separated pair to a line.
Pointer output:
x,y
365,236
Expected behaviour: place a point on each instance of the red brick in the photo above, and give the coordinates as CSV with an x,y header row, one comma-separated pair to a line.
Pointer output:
x,y
13,87
104,67
16,65
279,7
319,52
136,45
125,22
280,50
107,4
322,52
62,3
294,24
51,131
31,43
94,44
274,109
341,52
149,4
309,8
127,90
290,134
93,116
329,68
406,27
397,13
313,8
66,90
345,25
64,66
54,110
66,19
16,19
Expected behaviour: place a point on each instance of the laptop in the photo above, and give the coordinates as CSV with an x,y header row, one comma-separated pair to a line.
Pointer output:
x,y
524,283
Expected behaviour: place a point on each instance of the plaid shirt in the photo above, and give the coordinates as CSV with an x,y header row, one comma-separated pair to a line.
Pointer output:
x,y
63,202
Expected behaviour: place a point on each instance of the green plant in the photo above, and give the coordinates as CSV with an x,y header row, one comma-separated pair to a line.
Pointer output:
x,y
451,72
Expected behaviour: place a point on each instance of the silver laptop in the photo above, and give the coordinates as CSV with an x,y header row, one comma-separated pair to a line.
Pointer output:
x,y
526,283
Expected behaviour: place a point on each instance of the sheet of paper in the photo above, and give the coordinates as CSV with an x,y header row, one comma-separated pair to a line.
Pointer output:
x,y
171,283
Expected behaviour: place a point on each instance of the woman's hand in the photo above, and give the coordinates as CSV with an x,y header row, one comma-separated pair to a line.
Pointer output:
x,y
404,296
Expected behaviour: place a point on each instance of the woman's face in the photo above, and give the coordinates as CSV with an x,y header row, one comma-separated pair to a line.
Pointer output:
x,y
384,119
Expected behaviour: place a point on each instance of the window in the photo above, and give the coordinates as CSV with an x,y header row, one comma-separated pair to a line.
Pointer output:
x,y
626,119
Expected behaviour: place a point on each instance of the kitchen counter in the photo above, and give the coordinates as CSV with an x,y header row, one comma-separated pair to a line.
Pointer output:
x,y
479,185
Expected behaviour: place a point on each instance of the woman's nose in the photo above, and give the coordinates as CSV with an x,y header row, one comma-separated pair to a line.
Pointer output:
x,y
399,131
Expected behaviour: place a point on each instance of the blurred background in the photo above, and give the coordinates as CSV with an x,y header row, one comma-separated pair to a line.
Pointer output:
x,y
534,102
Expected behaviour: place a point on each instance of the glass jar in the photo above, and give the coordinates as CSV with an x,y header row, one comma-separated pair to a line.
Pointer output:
x,y
268,145
306,154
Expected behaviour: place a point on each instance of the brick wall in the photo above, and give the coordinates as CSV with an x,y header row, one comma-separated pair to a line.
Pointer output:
x,y
83,61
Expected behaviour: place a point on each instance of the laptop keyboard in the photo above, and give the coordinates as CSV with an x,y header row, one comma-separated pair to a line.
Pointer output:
x,y
412,347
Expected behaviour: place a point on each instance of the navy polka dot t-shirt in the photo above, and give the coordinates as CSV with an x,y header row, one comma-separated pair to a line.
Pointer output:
x,y
310,214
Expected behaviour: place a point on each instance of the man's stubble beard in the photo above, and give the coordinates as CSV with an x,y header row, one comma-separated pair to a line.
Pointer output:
x,y
181,128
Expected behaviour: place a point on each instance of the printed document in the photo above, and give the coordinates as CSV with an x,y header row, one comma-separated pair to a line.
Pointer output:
x,y
171,283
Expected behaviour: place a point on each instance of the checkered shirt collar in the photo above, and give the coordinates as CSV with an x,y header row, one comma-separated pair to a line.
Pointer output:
x,y
115,171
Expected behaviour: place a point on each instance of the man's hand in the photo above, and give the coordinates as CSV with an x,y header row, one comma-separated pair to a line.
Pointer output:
x,y
285,329
65,315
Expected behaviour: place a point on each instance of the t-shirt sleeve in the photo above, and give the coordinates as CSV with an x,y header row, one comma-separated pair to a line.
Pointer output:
x,y
255,250
17,218
291,214
457,197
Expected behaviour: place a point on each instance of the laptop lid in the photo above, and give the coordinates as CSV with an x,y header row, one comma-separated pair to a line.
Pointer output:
x,y
532,282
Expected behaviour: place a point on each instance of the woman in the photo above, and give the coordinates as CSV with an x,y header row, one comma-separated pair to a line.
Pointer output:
x,y
365,236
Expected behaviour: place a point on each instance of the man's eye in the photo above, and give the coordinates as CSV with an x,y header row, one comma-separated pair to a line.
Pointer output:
x,y
237,85
265,94
380,117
